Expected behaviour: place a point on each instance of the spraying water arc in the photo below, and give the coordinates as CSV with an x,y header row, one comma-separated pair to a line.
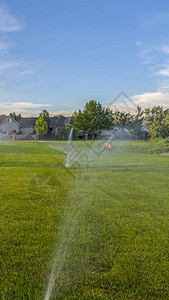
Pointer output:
x,y
68,165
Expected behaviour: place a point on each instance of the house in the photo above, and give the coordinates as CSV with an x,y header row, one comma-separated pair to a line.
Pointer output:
x,y
8,125
57,122
68,121
27,125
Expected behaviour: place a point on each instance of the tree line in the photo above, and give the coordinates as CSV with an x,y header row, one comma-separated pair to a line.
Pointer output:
x,y
94,118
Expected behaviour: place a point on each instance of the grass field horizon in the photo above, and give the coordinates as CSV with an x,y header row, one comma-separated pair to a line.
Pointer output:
x,y
118,203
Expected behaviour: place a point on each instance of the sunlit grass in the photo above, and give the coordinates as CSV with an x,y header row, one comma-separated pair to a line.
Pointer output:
x,y
120,204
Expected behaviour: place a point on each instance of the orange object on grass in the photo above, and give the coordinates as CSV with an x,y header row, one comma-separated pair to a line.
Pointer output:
x,y
108,146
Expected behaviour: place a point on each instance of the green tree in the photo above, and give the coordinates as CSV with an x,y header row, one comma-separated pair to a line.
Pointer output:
x,y
94,118
15,116
137,123
122,120
157,122
46,116
166,123
41,126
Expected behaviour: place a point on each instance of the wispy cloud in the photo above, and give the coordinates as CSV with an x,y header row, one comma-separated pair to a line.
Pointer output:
x,y
158,59
8,23
12,68
164,86
16,68
28,105
138,43
3,46
150,20
165,49
25,72
7,65
164,72
163,69
146,56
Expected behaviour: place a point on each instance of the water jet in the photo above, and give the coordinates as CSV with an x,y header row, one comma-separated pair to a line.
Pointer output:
x,y
68,165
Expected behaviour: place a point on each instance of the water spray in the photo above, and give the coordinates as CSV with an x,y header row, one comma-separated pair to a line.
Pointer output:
x,y
68,165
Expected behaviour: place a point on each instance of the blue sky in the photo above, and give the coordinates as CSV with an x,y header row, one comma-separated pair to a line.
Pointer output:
x,y
59,54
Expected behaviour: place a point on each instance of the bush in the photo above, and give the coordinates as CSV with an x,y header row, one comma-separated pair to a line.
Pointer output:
x,y
158,146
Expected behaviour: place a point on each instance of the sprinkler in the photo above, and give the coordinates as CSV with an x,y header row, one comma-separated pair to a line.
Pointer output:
x,y
67,165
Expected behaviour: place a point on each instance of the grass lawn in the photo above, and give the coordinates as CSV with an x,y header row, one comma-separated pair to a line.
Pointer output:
x,y
107,223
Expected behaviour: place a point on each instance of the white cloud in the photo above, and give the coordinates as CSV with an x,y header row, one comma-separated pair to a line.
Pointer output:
x,y
164,72
22,107
128,107
151,99
25,109
144,100
28,105
8,23
66,113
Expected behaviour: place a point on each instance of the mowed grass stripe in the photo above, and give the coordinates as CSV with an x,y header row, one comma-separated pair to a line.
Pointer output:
x,y
29,215
122,238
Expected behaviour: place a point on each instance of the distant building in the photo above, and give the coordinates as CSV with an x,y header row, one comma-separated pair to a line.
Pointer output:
x,y
26,126
58,122
8,125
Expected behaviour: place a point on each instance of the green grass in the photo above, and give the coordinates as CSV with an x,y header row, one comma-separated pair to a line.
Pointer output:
x,y
33,194
119,247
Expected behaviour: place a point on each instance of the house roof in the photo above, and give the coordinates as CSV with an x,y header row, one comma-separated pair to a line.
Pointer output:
x,y
3,118
56,121
27,122
68,120
60,121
